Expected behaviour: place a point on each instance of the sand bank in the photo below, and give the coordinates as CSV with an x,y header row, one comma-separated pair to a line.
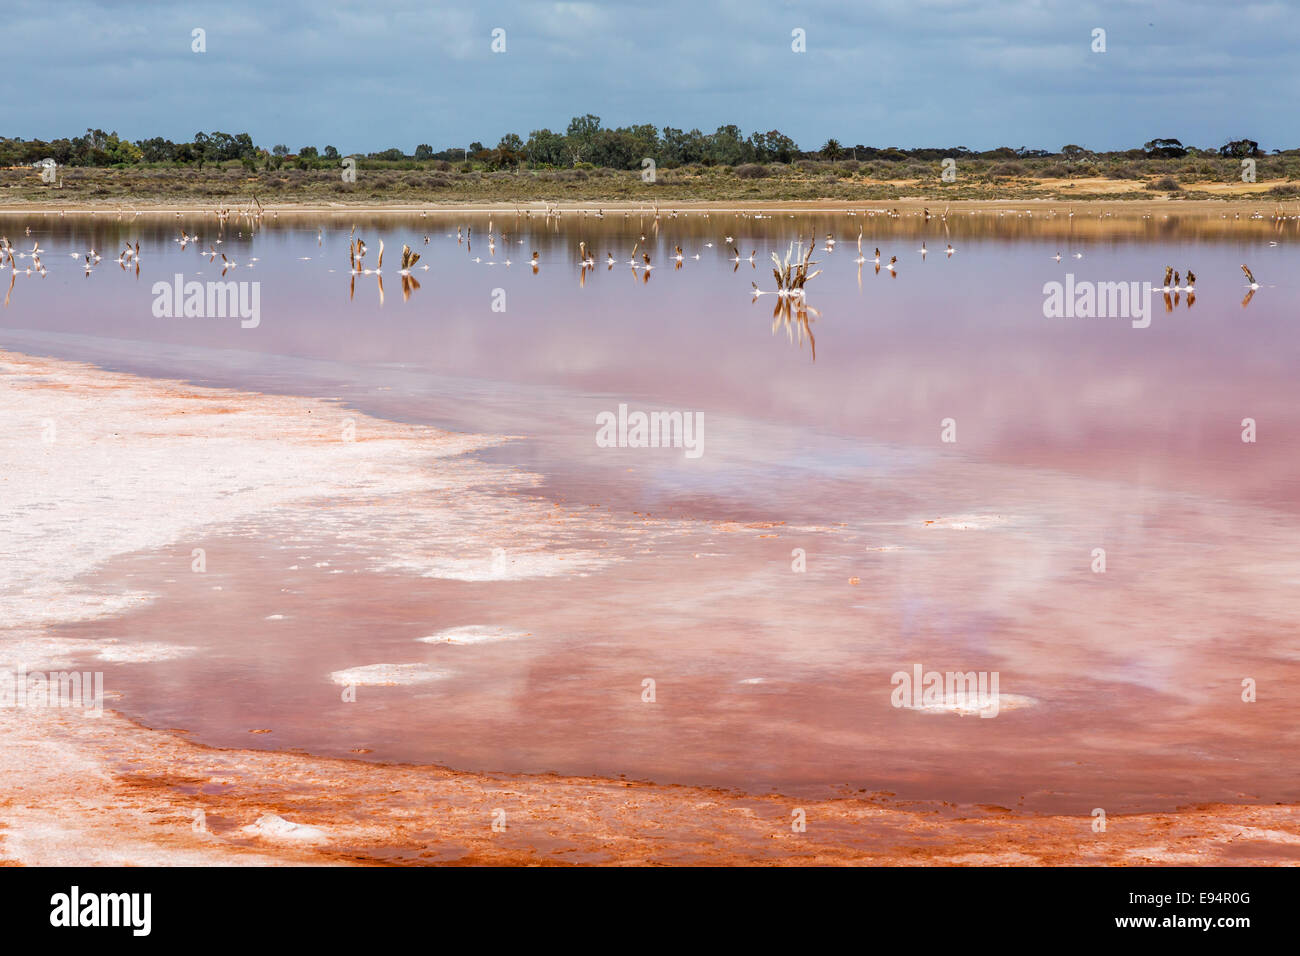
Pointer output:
x,y
1142,203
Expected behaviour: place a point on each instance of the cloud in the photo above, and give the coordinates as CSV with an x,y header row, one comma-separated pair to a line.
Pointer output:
x,y
929,72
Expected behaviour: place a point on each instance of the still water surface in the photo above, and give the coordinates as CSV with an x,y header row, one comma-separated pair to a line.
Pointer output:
x,y
823,432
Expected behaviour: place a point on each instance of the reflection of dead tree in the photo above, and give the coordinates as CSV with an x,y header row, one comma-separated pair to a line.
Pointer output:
x,y
792,313
792,276
356,266
1253,287
409,282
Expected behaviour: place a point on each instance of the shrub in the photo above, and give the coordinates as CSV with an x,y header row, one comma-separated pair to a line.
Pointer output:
x,y
752,171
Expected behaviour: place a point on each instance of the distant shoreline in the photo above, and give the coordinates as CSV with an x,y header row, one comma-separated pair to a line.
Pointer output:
x,y
937,204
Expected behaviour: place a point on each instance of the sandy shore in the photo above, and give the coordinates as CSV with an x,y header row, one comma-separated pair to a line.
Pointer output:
x,y
1142,203
84,790
109,792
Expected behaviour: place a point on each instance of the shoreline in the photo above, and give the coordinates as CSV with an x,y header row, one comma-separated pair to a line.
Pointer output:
x,y
151,797
241,203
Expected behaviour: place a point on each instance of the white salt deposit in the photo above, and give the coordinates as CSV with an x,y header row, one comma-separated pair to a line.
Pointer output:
x,y
139,653
387,675
975,522
471,567
972,705
99,465
474,634
275,827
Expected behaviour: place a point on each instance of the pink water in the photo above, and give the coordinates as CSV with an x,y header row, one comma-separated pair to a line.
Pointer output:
x,y
1072,434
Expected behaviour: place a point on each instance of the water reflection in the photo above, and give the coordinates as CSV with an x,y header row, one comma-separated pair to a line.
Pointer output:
x,y
793,314
1046,406
942,327
1254,286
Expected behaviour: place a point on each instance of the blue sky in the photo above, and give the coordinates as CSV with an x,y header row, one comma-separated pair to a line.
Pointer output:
x,y
367,76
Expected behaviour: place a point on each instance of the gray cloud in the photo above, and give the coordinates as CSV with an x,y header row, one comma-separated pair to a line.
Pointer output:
x,y
926,72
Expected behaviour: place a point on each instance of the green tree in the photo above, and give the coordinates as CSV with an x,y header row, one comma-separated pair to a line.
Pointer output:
x,y
727,147
1239,149
1164,149
680,149
223,146
613,149
122,150
773,146
580,135
509,151
201,149
545,148
157,150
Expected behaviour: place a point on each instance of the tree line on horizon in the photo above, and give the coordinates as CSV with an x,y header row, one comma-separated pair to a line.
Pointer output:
x,y
584,144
